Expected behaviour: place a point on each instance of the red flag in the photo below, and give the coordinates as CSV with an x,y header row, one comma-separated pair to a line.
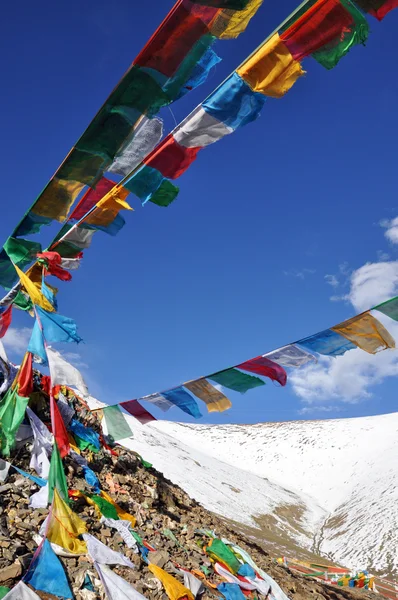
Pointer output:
x,y
5,320
53,260
25,377
381,12
46,384
171,158
138,411
59,429
91,197
265,366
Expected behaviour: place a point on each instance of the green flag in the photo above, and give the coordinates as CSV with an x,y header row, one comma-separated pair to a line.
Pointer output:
x,y
12,412
22,252
107,509
389,308
116,423
236,380
56,477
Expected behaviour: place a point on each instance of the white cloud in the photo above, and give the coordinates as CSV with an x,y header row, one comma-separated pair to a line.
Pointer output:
x,y
307,410
352,377
391,229
17,339
332,280
300,274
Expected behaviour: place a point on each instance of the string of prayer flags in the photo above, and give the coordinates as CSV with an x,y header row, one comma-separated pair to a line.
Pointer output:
x,y
63,373
173,588
59,430
64,527
116,587
366,332
389,308
272,70
21,592
101,554
138,411
108,199
78,239
147,135
227,575
219,551
116,423
150,186
327,30
291,356
179,397
236,380
377,8
224,21
158,400
266,367
56,477
12,412
46,573
327,342
215,400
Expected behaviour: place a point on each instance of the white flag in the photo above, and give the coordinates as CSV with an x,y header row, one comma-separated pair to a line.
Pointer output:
x,y
123,527
40,498
4,468
21,592
63,373
103,555
116,587
42,445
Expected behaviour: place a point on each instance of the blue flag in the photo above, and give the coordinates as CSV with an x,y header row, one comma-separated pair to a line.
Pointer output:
x,y
179,397
46,573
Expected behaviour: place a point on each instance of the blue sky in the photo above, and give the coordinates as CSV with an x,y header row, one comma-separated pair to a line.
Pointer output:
x,y
237,265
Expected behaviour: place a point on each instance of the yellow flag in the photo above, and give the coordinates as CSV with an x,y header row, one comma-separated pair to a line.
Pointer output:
x,y
108,208
57,198
272,70
122,513
228,23
34,293
366,332
215,400
65,527
174,589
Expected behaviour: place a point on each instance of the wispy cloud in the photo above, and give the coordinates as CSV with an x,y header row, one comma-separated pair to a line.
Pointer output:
x,y
391,229
332,280
16,340
299,273
311,410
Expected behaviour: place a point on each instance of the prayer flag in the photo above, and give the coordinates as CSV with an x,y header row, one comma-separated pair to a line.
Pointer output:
x,y
42,445
101,554
91,197
5,320
149,185
24,379
230,591
36,345
63,373
104,507
200,129
366,332
57,328
272,70
148,133
228,24
179,397
21,252
174,589
233,4
30,224
12,412
53,265
46,573
8,275
219,551
236,380
57,198
264,366
234,103
65,526
21,592
327,342
199,73
213,398
34,293
122,514
116,424
81,432
138,411
377,8
389,308
158,400
170,158
56,477
59,429
116,587
291,356
106,208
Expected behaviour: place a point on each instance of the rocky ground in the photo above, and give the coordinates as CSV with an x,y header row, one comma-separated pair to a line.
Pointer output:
x,y
166,518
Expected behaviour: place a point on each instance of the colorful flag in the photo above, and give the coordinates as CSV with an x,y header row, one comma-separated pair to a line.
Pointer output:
x,y
42,445
174,589
59,429
149,185
5,319
57,478
101,554
57,328
366,332
46,573
12,412
116,423
57,198
158,400
63,373
228,23
377,8
53,266
170,158
272,70
106,209
86,434
34,293
21,252
148,133
36,345
327,342
266,367
389,308
291,356
138,411
21,592
122,514
24,380
64,527
230,591
236,380
211,396
219,551
185,402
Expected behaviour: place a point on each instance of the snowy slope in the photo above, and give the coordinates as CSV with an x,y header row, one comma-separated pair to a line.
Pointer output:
x,y
344,472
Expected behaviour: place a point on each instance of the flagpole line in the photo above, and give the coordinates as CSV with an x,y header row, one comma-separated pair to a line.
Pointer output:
x,y
134,171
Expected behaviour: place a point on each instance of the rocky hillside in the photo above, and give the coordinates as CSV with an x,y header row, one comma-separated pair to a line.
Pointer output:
x,y
168,521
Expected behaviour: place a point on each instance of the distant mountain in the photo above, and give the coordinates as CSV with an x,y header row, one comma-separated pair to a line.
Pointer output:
x,y
329,487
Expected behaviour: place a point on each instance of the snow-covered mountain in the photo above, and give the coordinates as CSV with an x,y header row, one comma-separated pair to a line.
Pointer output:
x,y
331,486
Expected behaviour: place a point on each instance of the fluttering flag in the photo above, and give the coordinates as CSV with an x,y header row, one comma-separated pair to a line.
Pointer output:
x,y
21,252
53,265
63,373
227,575
34,293
377,8
4,468
57,328
56,477
231,591
21,592
116,424
36,345
146,136
59,430
185,402
211,396
12,412
150,186
236,380
327,30
5,319
327,342
103,555
224,20
193,584
138,411
130,538
42,445
56,199
272,70
65,526
66,411
366,332
122,514
174,589
85,434
103,507
24,379
46,573
88,473
158,400
116,587
389,308
291,356
219,551
170,158
266,367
